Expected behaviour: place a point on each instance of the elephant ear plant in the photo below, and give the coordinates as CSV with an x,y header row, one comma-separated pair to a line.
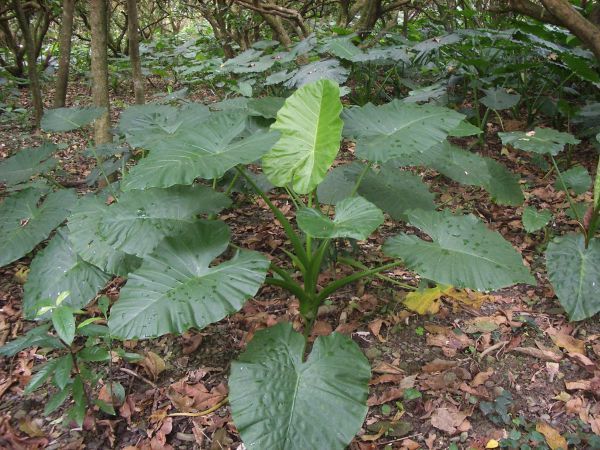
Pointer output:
x,y
572,260
160,233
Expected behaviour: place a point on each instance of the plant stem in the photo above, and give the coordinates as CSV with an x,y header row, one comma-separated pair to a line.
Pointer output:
x,y
291,287
287,226
337,284
359,265
230,187
359,179
564,186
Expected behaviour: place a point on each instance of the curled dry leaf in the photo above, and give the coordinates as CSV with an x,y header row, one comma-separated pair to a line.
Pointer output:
x,y
191,342
153,364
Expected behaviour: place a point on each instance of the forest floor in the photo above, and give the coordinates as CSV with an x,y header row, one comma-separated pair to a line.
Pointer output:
x,y
484,368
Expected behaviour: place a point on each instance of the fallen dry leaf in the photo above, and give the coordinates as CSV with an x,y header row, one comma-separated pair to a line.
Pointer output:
x,y
387,396
384,367
153,364
439,365
482,377
448,419
553,438
545,355
569,343
191,342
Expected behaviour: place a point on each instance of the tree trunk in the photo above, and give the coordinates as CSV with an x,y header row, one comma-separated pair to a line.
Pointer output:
x,y
64,60
134,52
99,29
576,23
369,15
276,24
34,80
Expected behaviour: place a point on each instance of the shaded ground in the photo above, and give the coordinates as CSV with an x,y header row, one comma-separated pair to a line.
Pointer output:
x,y
464,377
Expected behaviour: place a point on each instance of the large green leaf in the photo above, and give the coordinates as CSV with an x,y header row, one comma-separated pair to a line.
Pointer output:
x,y
279,402
324,69
150,126
382,56
463,253
67,119
339,183
207,151
471,169
576,178
534,220
396,129
394,191
83,235
342,47
540,140
574,272
498,98
26,163
176,288
355,218
58,269
23,224
141,219
311,129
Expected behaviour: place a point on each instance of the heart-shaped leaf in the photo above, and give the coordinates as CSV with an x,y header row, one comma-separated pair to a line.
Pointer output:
x,y
355,218
92,248
67,119
23,224
498,98
153,126
470,169
58,269
26,163
176,288
206,151
137,223
325,69
280,402
464,253
540,140
574,272
396,129
534,220
576,178
394,191
311,129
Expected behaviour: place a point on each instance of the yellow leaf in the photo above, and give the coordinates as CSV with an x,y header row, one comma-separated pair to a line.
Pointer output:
x,y
553,438
21,274
426,301
473,299
492,443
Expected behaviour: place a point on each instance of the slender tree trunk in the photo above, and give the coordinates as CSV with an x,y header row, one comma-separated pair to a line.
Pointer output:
x,y
134,52
99,29
34,80
66,33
